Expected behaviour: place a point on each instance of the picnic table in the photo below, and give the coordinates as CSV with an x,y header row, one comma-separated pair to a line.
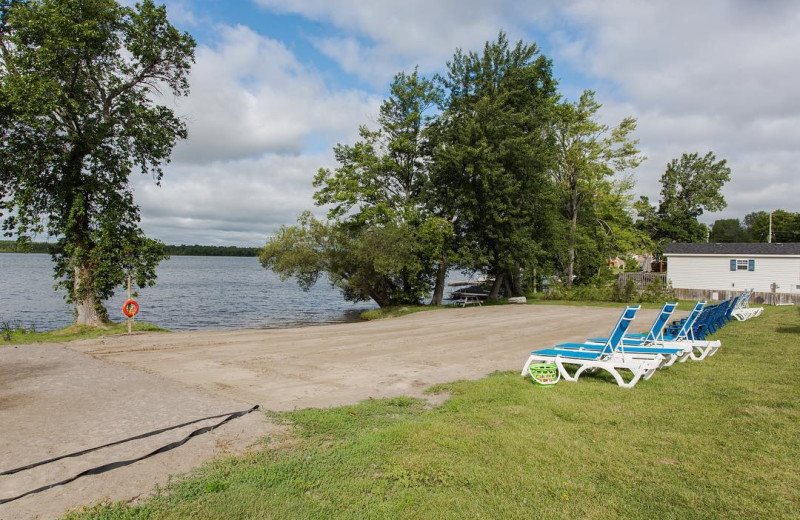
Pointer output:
x,y
469,298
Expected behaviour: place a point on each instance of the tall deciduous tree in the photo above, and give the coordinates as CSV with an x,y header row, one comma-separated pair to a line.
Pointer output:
x,y
689,187
728,230
77,83
588,154
492,155
785,226
380,242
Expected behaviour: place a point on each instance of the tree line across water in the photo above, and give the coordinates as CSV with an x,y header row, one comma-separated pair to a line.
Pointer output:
x,y
13,246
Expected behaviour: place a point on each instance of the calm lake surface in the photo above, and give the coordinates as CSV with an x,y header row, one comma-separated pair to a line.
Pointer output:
x,y
191,293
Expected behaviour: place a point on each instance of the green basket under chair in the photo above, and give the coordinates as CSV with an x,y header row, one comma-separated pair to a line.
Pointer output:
x,y
544,374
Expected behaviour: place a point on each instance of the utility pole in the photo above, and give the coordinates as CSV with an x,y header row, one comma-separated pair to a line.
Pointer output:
x,y
769,240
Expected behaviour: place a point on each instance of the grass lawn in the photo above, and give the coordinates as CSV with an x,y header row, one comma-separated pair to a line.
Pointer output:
x,y
20,336
397,311
710,439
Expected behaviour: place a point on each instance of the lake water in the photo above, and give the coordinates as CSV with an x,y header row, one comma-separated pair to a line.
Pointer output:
x,y
191,293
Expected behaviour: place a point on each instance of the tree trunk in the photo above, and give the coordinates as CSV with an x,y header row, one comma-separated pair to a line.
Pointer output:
x,y
382,300
516,281
85,301
507,286
498,282
438,289
573,228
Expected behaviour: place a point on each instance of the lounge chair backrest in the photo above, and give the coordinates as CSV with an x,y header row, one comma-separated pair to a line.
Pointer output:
x,y
746,298
741,303
615,338
686,329
657,330
734,304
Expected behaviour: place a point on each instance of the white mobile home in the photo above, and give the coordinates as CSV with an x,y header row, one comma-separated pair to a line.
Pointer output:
x,y
699,270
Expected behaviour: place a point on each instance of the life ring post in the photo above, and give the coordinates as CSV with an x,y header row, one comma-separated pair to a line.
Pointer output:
x,y
130,318
130,308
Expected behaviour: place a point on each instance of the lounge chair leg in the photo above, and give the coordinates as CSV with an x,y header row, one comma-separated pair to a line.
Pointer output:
x,y
563,371
525,368
611,370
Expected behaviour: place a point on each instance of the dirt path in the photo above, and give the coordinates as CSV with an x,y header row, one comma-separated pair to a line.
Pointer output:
x,y
55,399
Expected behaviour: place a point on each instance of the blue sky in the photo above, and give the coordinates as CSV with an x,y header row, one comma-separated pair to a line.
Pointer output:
x,y
277,83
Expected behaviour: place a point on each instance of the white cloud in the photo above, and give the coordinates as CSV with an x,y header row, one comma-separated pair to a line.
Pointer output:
x,y
224,202
260,125
250,96
383,38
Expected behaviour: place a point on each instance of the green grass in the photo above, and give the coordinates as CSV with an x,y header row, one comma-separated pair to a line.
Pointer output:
x,y
10,335
397,311
710,439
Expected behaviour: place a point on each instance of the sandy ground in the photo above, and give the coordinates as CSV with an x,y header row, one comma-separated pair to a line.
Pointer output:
x,y
55,399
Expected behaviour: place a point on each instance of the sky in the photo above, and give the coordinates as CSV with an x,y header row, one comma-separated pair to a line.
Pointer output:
x,y
278,83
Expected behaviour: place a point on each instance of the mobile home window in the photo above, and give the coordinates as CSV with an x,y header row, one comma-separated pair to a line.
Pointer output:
x,y
743,265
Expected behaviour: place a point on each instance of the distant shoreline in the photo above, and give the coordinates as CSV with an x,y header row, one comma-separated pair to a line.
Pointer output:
x,y
11,246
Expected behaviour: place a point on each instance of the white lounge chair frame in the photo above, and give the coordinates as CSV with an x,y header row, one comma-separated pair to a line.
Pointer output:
x,y
609,359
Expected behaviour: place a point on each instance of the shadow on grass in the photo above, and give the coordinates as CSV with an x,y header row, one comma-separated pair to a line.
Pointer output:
x,y
788,330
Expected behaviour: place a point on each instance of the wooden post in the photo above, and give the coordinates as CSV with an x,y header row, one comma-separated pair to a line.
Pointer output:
x,y
130,318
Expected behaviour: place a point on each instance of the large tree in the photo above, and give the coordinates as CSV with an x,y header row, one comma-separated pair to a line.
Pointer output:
x,y
728,230
78,116
785,226
380,242
493,151
690,186
588,155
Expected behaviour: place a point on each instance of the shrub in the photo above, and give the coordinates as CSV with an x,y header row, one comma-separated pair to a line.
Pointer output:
x,y
595,291
657,292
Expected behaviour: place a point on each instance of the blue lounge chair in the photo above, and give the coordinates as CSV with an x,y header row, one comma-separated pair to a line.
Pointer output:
x,y
654,335
608,358
643,345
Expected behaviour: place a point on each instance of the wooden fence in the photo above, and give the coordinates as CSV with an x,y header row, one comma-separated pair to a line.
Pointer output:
x,y
758,298
641,280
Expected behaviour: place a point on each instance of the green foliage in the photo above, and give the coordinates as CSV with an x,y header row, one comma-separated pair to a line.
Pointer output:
x,y
785,226
15,334
689,187
657,292
624,293
595,205
384,174
606,290
479,185
380,242
385,263
728,230
493,150
27,246
199,250
596,291
78,115
393,312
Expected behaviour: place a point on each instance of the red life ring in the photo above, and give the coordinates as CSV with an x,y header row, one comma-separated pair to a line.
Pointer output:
x,y
130,308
